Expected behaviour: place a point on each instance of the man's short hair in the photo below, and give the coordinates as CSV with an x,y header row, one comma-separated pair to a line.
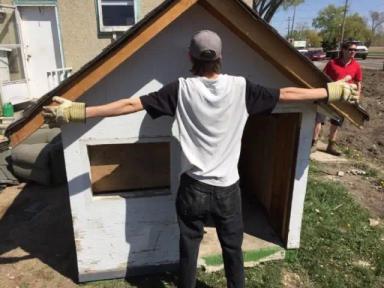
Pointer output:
x,y
200,67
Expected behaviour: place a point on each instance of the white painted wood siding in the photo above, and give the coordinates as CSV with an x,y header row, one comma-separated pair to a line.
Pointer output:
x,y
113,233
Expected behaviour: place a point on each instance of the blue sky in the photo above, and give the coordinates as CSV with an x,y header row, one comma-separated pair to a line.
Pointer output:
x,y
310,9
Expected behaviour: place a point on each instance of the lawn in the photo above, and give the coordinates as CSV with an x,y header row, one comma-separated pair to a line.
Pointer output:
x,y
376,51
339,249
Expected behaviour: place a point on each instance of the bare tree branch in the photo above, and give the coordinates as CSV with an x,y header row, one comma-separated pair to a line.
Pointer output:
x,y
267,8
377,18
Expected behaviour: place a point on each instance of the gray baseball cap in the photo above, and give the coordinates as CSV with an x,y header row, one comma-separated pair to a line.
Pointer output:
x,y
205,45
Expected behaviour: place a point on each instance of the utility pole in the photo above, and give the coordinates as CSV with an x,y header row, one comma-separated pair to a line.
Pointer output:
x,y
289,26
293,19
343,25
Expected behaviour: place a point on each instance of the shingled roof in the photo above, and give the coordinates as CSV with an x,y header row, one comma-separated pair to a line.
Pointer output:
x,y
235,14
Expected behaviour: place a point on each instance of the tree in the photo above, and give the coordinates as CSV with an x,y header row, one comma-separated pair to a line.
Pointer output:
x,y
356,28
377,18
329,22
313,38
267,8
310,35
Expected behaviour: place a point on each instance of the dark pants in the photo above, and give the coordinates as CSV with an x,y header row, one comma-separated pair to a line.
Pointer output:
x,y
195,202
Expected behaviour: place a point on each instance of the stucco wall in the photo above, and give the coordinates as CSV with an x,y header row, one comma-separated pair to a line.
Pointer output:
x,y
81,39
145,6
80,34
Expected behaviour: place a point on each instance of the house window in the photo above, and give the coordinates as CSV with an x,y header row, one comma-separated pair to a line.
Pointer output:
x,y
116,15
138,168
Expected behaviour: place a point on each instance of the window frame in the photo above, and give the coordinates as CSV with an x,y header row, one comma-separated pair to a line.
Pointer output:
x,y
124,28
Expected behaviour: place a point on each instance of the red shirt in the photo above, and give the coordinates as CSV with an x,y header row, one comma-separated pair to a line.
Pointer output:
x,y
337,70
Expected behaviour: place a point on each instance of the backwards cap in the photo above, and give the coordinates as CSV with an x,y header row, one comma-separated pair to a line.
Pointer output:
x,y
205,45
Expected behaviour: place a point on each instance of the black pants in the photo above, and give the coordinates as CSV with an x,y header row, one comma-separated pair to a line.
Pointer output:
x,y
195,202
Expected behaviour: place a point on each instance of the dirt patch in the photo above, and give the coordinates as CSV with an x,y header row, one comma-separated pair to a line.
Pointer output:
x,y
36,247
362,188
294,280
365,145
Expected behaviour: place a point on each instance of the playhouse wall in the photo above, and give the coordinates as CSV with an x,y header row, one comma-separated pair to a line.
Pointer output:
x,y
115,234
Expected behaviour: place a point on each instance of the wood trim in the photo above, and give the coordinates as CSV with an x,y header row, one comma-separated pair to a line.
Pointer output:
x,y
108,64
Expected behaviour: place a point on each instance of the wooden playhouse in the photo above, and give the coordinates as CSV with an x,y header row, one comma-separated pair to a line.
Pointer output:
x,y
123,172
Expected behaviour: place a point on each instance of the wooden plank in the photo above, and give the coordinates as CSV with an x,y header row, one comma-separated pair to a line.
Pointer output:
x,y
127,167
108,64
267,164
284,164
254,163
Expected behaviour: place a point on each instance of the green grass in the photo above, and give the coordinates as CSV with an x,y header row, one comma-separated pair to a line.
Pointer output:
x,y
338,248
257,255
370,172
375,54
337,241
375,49
352,153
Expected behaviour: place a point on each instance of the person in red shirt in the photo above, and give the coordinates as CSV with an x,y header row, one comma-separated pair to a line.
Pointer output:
x,y
338,69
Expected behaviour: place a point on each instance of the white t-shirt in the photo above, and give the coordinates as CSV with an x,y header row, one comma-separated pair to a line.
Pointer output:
x,y
211,115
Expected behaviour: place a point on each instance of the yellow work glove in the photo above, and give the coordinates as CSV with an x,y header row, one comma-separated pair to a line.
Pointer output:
x,y
343,91
67,111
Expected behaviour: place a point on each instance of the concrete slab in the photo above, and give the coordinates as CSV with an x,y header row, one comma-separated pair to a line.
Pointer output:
x,y
321,156
260,241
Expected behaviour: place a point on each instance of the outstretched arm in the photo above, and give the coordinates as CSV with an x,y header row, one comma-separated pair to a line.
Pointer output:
x,y
116,108
300,94
68,111
336,91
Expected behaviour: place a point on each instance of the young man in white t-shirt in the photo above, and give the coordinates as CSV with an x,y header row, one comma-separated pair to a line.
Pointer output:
x,y
211,110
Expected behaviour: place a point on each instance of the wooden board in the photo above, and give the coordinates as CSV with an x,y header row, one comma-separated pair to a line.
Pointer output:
x,y
284,153
267,164
127,167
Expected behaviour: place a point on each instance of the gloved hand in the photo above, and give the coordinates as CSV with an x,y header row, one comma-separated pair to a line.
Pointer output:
x,y
343,91
67,111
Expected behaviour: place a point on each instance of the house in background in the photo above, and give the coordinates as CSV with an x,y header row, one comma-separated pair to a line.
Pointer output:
x,y
42,42
123,171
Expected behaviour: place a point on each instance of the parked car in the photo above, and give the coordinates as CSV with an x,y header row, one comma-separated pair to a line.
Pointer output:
x,y
303,51
316,55
362,50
